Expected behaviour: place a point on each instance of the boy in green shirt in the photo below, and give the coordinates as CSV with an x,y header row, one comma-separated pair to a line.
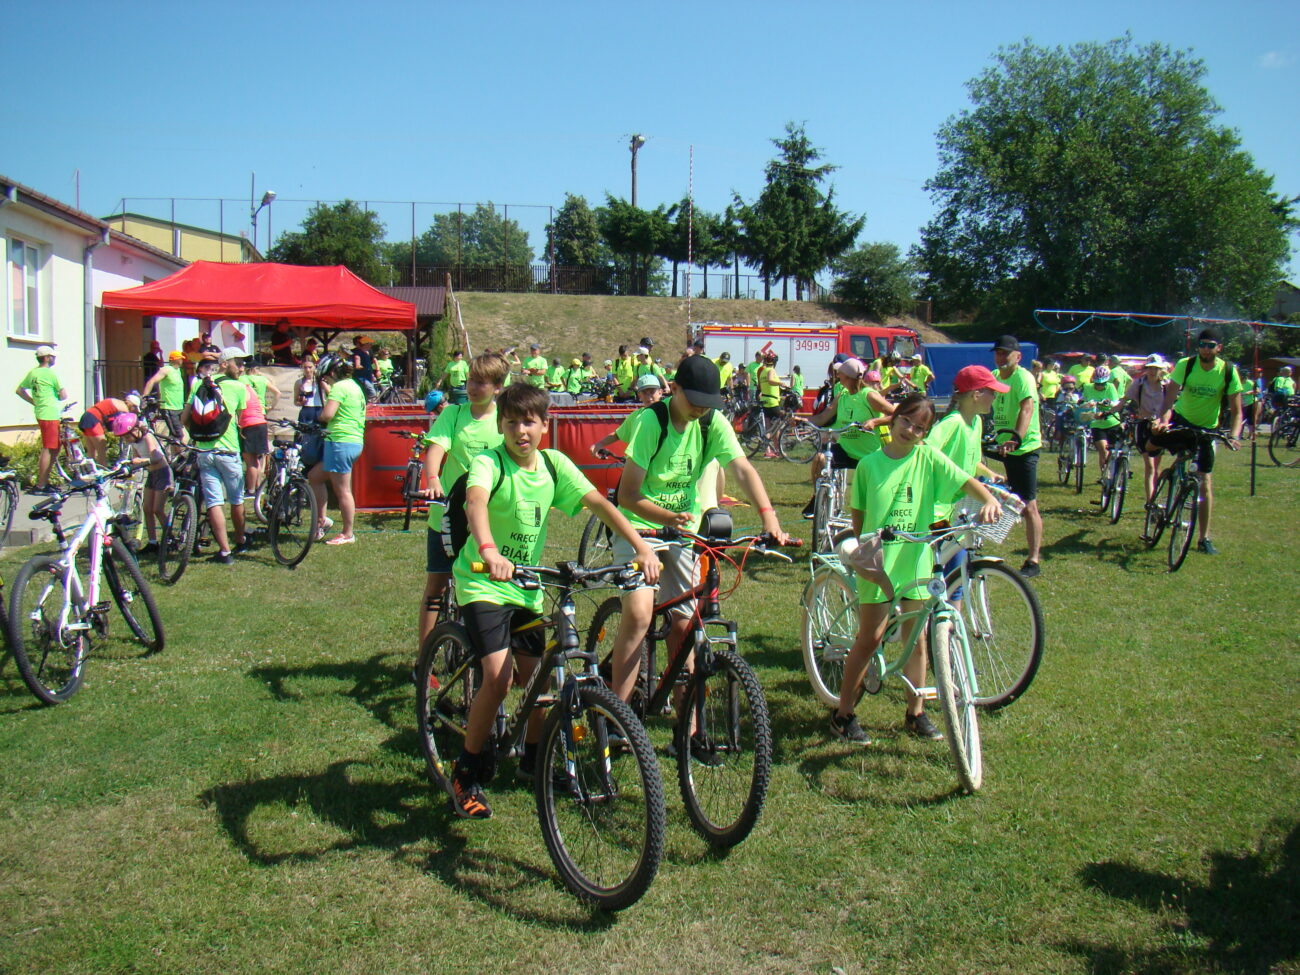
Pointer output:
x,y
535,367
1100,395
170,382
42,389
454,377
457,436
1016,412
509,492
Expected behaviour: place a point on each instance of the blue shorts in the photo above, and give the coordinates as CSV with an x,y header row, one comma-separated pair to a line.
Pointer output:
x,y
952,565
221,475
339,457
435,555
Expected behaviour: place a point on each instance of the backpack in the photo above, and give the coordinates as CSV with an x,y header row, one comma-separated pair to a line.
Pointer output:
x,y
1229,370
455,526
209,416
660,410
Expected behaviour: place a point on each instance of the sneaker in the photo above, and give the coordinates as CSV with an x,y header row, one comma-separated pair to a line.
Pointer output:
x,y
149,547
808,509
921,726
848,729
244,547
223,558
468,801
1207,547
1030,569
342,540
40,490
325,525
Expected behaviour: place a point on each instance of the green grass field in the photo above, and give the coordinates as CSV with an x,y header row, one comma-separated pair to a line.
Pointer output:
x,y
252,799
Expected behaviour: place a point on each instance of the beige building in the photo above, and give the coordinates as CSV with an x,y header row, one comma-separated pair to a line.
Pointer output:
x,y
184,241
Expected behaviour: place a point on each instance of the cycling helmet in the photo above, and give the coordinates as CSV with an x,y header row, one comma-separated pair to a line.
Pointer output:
x,y
433,401
122,423
872,376
1100,376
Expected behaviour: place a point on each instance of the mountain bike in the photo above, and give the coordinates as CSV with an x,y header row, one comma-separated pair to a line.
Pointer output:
x,y
1176,502
1114,481
390,394
1001,611
722,736
9,495
285,462
601,808
1284,438
412,475
71,461
596,547
55,609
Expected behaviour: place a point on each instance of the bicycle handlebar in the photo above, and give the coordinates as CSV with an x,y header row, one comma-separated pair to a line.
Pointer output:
x,y
762,542
55,502
624,575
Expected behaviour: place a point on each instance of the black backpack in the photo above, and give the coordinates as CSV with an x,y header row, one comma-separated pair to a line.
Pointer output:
x,y
209,415
1229,370
455,526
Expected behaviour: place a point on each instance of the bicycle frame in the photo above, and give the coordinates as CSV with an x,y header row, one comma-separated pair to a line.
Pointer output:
x,y
95,529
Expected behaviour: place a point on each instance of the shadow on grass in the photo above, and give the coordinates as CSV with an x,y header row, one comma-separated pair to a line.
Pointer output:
x,y
1244,918
383,815
380,683
1129,554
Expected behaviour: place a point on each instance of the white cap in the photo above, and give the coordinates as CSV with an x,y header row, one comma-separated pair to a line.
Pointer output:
x,y
43,350
642,350
232,352
916,357
1155,359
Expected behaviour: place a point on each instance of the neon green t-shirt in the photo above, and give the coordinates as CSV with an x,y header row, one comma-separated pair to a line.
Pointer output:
x,y
171,388
1006,409
539,379
555,377
44,388
751,368
517,515
625,372
457,373
854,408
1081,372
672,477
1202,390
1092,396
463,438
1049,383
797,384
1283,384
905,494
349,423
921,375
235,395
384,369
1119,377
959,441
725,369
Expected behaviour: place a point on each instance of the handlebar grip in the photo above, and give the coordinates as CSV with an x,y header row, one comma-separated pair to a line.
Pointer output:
x,y
479,567
794,543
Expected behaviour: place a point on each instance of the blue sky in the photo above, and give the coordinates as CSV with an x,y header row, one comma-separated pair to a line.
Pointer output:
x,y
520,103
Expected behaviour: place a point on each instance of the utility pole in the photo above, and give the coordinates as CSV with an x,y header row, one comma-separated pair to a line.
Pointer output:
x,y
637,142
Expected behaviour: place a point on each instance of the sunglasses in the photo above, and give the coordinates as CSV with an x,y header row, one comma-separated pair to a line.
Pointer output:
x,y
1208,345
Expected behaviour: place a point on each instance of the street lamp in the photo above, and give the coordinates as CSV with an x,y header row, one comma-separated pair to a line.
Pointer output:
x,y
267,199
637,142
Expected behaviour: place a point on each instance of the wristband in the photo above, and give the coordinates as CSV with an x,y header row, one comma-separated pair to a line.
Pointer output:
x,y
763,511
484,548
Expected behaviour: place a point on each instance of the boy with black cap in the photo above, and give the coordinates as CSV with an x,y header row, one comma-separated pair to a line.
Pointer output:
x,y
668,451
1016,414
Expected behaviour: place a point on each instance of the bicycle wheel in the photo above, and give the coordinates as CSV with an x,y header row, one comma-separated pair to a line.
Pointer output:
x,y
446,678
1157,510
1118,489
410,487
756,441
952,680
1182,524
8,505
1283,448
823,501
1080,467
1004,627
601,810
724,749
132,594
50,651
830,624
176,544
596,547
292,528
1107,486
1063,466
798,443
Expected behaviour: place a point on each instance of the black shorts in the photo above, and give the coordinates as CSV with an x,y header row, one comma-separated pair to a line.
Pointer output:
x,y
252,439
489,626
1182,436
1022,474
159,480
173,420
1142,437
840,459
1110,435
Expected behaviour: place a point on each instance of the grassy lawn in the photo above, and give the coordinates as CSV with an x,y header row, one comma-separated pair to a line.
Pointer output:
x,y
252,799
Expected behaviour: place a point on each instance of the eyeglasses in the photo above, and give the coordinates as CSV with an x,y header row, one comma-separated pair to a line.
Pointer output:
x,y
1208,345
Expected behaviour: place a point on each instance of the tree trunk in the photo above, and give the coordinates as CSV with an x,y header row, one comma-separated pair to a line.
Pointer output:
x,y
704,271
674,279
767,288
735,256
785,288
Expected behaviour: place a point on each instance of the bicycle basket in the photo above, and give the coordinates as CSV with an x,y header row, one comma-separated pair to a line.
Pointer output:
x,y
968,509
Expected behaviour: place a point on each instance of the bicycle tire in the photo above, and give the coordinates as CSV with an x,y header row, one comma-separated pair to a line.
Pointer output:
x,y
51,663
798,444
823,498
1080,468
9,497
1157,510
1107,486
1063,467
1182,524
410,485
724,793
952,681
830,625
176,542
121,568
292,527
603,823
596,547
446,679
1282,444
1004,629
1119,489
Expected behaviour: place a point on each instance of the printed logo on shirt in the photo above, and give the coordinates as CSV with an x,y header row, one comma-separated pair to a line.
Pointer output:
x,y
681,465
528,514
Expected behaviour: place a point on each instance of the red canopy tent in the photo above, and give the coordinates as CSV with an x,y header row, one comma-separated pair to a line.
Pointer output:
x,y
310,297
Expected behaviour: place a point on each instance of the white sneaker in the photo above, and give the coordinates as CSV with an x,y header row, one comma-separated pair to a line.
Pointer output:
x,y
324,527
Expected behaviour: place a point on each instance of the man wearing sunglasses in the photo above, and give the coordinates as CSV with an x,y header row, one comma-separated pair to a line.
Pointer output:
x,y
1198,388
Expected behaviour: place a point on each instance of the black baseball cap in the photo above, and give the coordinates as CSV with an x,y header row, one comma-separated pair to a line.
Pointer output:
x,y
697,378
1008,343
647,342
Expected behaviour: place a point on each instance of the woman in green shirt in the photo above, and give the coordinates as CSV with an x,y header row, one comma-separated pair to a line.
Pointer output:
x,y
344,419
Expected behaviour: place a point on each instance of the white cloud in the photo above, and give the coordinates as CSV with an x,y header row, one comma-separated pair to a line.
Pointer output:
x,y
1272,60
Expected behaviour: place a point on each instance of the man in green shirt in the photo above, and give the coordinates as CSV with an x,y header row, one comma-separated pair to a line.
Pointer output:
x,y
1282,388
42,389
535,367
170,383
454,377
725,369
625,370
221,475
921,376
1198,387
1015,412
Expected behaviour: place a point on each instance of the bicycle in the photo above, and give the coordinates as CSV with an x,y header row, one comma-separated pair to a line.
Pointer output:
x,y
9,495
1072,462
601,808
596,547
1284,437
291,525
829,491
412,476
71,461
1003,617
1176,501
1114,481
722,738
55,613
389,394
285,461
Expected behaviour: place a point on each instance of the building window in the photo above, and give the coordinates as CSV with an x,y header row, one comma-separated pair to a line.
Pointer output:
x,y
24,289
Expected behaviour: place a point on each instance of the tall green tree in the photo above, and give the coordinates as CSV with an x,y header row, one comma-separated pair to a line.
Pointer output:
x,y
481,237
875,277
575,236
1095,176
342,233
694,237
636,237
794,229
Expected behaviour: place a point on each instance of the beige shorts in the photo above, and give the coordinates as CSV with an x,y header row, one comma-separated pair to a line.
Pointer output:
x,y
677,575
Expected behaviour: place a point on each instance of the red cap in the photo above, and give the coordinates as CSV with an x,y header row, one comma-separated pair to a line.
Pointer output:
x,y
972,378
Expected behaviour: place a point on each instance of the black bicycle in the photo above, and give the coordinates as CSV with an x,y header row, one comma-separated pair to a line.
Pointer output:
x,y
1176,503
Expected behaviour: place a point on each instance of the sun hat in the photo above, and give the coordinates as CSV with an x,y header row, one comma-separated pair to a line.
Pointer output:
x,y
649,381
232,352
642,350
697,378
575,362
853,368
971,378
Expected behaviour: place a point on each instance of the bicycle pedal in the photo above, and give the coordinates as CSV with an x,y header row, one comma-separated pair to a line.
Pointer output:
x,y
101,607
928,693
